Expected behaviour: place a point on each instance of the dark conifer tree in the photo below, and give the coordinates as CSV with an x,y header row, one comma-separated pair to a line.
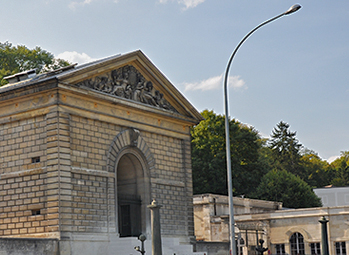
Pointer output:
x,y
286,149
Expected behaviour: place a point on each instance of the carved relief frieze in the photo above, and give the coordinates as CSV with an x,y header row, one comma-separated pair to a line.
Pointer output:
x,y
259,225
127,82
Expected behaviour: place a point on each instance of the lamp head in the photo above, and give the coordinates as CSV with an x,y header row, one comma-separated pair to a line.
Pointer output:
x,y
293,9
142,238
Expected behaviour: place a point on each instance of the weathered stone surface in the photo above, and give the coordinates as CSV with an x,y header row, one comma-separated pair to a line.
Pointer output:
x,y
28,246
69,150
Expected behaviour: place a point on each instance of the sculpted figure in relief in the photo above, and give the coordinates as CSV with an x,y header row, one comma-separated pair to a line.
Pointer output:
x,y
139,89
147,96
127,82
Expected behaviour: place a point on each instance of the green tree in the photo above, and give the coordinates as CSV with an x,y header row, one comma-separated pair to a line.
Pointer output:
x,y
319,173
209,156
286,149
285,187
15,59
341,170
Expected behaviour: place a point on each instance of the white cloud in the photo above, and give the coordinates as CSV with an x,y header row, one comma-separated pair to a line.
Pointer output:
x,y
214,83
75,57
191,3
187,3
74,4
331,159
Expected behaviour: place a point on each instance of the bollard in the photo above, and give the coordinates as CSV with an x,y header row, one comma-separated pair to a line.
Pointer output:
x,y
155,228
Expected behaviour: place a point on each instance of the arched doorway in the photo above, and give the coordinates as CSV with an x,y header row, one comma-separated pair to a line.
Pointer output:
x,y
131,195
130,159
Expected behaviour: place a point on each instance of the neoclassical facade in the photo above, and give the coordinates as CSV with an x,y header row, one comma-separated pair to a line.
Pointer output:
x,y
83,152
284,231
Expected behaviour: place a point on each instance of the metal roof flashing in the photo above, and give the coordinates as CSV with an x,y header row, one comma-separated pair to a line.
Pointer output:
x,y
21,76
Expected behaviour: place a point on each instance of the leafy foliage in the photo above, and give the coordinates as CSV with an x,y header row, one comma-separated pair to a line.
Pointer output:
x,y
341,170
318,172
285,187
15,59
209,156
279,169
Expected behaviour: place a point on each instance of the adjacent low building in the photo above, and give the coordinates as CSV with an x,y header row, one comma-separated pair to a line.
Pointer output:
x,y
291,231
333,196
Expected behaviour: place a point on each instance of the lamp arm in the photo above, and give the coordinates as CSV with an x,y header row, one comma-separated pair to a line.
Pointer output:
x,y
241,42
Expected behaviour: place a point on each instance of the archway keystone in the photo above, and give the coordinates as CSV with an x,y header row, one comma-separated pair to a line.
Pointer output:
x,y
128,138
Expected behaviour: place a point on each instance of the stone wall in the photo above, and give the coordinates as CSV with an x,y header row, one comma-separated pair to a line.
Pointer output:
x,y
90,140
24,208
54,177
22,144
23,203
89,207
212,248
29,246
171,184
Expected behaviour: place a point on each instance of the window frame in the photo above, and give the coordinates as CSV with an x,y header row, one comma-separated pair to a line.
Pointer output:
x,y
280,249
315,248
340,248
297,246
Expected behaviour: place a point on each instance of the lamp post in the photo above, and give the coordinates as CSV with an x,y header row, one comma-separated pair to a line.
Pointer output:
x,y
324,236
292,9
141,238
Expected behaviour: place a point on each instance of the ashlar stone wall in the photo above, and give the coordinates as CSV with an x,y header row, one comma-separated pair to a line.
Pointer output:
x,y
67,144
54,177
21,143
23,186
90,142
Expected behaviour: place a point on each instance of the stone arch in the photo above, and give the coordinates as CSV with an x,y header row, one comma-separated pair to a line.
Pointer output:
x,y
305,234
131,160
126,139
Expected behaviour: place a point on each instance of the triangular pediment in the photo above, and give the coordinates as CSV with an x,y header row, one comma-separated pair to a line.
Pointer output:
x,y
134,78
128,83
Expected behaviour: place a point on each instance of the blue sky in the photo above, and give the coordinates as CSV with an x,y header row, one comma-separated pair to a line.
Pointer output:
x,y
294,69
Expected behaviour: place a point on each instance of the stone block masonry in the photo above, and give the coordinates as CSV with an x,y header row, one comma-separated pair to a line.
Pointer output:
x,y
54,177
90,139
88,210
80,165
24,208
22,144
29,246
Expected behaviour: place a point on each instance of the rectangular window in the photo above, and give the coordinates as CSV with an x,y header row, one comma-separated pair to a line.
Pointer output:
x,y
340,248
36,160
315,249
36,212
280,249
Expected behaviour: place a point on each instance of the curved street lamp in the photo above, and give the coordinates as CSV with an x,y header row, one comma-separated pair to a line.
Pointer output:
x,y
292,9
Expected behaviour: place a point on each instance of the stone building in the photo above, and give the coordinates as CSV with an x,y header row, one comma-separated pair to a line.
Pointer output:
x,y
284,231
333,196
83,151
